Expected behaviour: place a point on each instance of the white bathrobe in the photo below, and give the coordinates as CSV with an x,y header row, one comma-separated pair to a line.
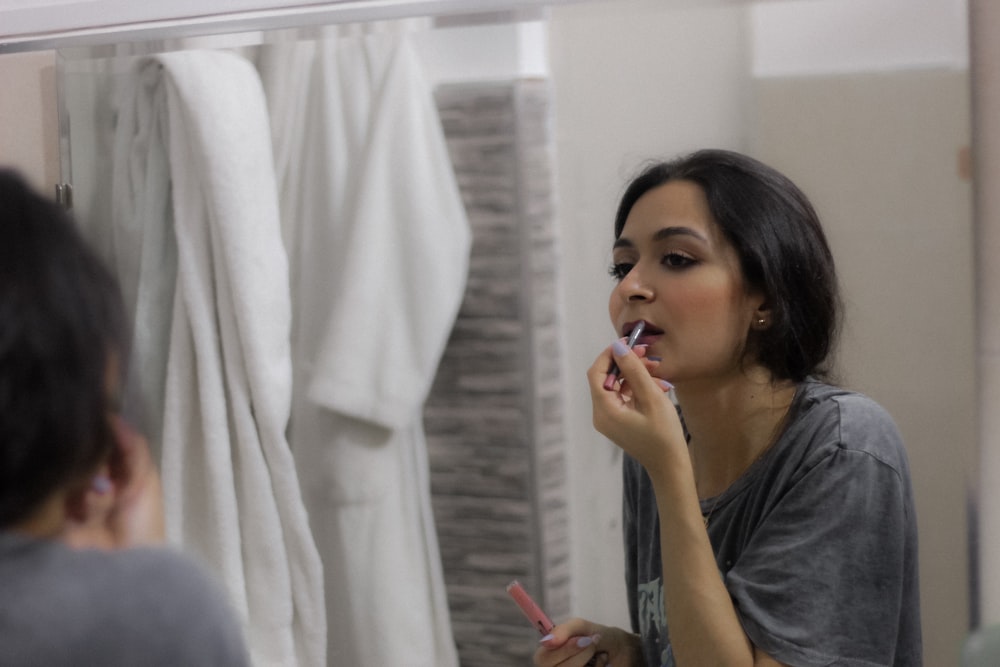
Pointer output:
x,y
379,246
230,486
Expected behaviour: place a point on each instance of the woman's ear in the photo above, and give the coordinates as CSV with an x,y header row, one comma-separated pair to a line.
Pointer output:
x,y
763,316
90,497
75,503
87,507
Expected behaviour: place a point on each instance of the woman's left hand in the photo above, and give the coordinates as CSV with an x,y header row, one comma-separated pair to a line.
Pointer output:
x,y
637,415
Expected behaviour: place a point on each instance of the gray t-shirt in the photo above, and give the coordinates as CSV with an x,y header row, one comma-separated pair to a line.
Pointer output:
x,y
146,607
816,541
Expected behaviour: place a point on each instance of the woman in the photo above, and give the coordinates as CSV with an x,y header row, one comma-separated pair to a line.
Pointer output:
x,y
78,492
775,524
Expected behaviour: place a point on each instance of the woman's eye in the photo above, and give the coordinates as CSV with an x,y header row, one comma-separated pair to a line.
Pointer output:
x,y
676,260
619,270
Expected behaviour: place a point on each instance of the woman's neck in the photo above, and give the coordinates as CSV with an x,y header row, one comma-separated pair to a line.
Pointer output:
x,y
732,425
47,521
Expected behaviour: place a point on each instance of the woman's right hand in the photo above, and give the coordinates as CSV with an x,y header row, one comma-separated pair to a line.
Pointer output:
x,y
637,415
123,506
577,641
137,517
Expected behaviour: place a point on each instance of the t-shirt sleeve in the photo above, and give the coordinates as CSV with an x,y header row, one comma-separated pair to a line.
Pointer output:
x,y
822,580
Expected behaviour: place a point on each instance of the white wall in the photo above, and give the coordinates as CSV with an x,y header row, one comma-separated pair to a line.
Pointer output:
x,y
796,38
489,52
632,81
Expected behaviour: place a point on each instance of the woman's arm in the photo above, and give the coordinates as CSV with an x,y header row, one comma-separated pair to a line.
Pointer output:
x,y
704,627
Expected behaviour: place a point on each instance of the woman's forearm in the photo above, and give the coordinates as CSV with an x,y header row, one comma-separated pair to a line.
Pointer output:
x,y
704,627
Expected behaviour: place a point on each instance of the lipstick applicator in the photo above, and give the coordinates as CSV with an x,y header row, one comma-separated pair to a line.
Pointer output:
x,y
614,371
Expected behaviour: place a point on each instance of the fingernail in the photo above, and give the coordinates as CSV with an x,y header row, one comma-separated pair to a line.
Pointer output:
x,y
584,642
101,484
655,358
619,348
546,638
666,385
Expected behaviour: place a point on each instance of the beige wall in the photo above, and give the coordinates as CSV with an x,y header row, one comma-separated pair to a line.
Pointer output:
x,y
29,134
985,23
878,155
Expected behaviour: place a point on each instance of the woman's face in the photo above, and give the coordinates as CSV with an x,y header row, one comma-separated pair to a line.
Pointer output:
x,y
676,271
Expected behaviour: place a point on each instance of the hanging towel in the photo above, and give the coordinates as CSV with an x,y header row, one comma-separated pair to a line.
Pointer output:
x,y
231,490
379,246
143,249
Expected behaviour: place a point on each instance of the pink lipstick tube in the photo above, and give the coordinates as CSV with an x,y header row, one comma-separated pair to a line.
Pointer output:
x,y
534,613
530,608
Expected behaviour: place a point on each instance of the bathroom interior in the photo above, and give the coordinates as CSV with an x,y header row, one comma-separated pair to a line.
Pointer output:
x,y
463,199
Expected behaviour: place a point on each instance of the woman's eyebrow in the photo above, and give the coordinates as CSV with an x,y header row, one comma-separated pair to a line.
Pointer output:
x,y
663,234
667,232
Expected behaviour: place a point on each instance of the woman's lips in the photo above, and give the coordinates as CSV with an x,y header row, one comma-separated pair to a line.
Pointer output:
x,y
648,331
647,339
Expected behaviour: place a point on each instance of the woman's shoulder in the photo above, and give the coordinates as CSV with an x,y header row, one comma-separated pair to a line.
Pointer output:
x,y
173,584
166,575
168,560
834,419
131,606
845,405
161,586
161,576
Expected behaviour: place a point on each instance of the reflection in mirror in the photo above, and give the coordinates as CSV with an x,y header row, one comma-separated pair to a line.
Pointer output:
x,y
540,121
377,241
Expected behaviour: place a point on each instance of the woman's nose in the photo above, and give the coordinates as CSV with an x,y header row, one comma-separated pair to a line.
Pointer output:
x,y
633,287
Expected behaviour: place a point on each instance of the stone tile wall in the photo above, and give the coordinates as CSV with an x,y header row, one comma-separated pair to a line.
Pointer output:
x,y
494,420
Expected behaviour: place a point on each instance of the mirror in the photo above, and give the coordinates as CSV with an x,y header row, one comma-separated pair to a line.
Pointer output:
x,y
871,119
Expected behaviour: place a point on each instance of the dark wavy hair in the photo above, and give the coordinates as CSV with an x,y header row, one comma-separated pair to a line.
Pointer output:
x,y
61,320
782,250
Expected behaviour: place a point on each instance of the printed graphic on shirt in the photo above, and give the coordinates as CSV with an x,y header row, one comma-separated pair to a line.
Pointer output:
x,y
652,622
